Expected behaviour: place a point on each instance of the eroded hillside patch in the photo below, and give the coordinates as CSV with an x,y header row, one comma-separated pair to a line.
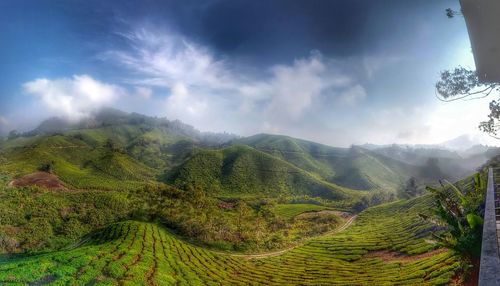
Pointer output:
x,y
40,179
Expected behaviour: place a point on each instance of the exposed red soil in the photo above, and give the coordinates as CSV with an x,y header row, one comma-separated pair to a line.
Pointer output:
x,y
471,276
392,256
41,179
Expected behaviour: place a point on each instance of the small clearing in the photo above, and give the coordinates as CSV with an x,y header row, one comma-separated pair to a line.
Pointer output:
x,y
41,179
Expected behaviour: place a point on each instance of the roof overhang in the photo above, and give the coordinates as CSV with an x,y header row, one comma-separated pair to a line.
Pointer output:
x,y
483,23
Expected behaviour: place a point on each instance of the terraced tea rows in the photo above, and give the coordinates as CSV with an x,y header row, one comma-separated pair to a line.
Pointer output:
x,y
135,253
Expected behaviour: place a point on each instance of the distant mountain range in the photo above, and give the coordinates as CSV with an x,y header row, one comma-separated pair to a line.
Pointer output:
x,y
463,145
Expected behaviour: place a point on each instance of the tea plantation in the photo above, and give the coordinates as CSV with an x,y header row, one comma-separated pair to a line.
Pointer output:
x,y
138,253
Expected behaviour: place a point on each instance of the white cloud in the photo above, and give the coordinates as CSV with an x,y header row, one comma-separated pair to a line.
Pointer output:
x,y
4,125
294,87
352,95
73,97
144,92
205,91
3,121
165,59
182,104
373,64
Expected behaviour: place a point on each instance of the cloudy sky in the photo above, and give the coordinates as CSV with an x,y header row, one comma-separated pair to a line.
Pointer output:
x,y
337,72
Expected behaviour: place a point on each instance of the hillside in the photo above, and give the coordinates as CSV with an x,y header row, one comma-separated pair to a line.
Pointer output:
x,y
242,170
77,163
110,150
144,147
379,249
355,167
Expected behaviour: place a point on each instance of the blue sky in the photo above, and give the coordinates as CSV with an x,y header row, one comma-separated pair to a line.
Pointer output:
x,y
337,72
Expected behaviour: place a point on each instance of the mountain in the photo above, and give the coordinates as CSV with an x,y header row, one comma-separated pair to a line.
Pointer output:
x,y
111,149
115,149
107,117
452,164
354,167
242,170
460,143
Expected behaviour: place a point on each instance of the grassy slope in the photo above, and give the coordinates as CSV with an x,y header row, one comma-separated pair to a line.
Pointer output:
x,y
354,168
133,253
77,163
241,170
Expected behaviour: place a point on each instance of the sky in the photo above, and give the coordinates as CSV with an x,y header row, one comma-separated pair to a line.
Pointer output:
x,y
335,72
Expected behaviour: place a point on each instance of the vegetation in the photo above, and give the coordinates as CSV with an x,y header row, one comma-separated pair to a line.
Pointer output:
x,y
240,170
133,253
461,210
410,189
355,167
235,225
34,219
77,164
461,83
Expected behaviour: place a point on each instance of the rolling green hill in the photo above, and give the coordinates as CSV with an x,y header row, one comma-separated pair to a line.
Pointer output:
x,y
144,147
242,170
111,150
354,167
78,164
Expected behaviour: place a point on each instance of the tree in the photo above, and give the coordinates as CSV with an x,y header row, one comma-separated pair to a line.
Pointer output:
x,y
13,134
244,224
362,204
431,169
46,167
410,189
462,83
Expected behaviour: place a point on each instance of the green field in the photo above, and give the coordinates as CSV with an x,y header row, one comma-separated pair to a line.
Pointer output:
x,y
135,253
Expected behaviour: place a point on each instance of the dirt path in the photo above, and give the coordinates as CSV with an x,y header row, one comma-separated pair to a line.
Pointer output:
x,y
348,223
